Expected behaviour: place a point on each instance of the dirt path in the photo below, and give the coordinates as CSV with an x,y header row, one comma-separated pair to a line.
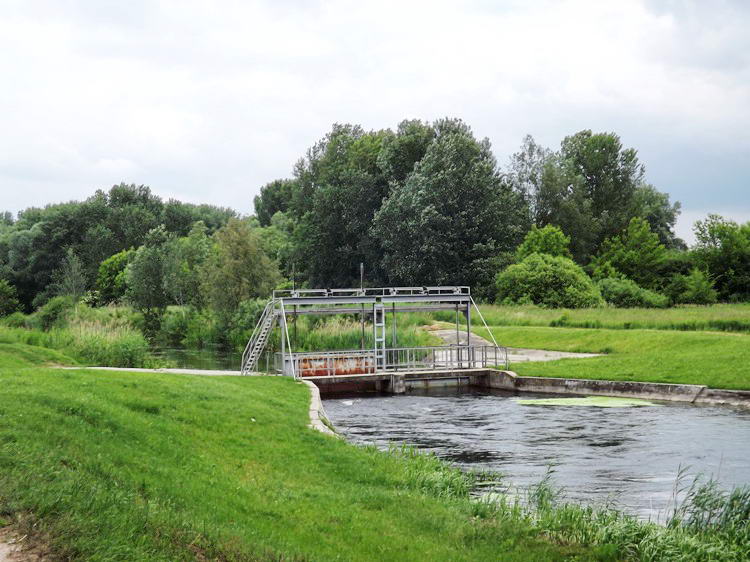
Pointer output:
x,y
515,354
14,548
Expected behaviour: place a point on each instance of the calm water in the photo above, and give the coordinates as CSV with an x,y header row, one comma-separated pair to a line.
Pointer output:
x,y
212,358
629,455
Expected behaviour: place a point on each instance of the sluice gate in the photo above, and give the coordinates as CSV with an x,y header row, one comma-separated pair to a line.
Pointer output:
x,y
382,362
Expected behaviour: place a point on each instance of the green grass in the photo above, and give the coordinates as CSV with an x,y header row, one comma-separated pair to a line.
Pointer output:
x,y
720,317
164,467
20,355
717,360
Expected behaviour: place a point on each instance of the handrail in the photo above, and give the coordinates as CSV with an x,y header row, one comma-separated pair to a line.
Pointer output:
x,y
481,317
288,341
256,332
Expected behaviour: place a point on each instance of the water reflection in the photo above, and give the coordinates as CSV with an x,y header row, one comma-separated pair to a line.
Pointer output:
x,y
630,454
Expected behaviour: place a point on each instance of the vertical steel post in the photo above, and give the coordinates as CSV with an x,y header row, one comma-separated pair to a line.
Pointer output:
x,y
393,343
468,327
282,327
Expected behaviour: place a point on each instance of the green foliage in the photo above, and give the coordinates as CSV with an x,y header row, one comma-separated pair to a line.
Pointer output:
x,y
624,293
237,269
182,264
144,278
16,320
111,279
8,298
51,313
548,240
549,281
654,207
33,247
70,278
694,288
451,215
274,197
723,251
636,253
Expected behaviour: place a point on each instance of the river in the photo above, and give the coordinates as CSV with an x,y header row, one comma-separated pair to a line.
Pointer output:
x,y
629,456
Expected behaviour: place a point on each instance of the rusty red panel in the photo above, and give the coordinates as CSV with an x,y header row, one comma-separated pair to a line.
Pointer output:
x,y
322,366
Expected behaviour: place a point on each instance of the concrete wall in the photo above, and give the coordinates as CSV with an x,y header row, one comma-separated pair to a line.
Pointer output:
x,y
697,394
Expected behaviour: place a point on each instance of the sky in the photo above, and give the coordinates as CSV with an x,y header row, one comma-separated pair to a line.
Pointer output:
x,y
206,101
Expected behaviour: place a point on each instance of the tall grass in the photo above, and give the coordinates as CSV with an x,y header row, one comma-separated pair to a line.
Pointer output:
x,y
709,524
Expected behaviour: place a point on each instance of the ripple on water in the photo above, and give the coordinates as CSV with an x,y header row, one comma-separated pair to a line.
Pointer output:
x,y
631,454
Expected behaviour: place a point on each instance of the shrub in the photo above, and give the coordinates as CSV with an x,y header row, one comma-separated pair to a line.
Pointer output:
x,y
15,320
48,315
624,293
548,240
8,298
694,288
548,281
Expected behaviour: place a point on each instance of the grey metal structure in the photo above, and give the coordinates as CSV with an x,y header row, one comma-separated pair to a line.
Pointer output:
x,y
375,303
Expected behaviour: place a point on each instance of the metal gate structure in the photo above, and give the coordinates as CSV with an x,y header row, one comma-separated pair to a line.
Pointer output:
x,y
376,304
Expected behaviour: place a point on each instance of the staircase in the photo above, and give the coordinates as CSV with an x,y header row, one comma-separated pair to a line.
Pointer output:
x,y
259,339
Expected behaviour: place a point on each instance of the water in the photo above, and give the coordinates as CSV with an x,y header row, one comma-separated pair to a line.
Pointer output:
x,y
629,456
207,358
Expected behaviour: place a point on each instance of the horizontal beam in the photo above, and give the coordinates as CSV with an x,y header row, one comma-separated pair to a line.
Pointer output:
x,y
353,310
385,299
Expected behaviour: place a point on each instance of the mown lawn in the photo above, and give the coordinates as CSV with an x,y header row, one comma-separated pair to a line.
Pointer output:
x,y
721,317
718,360
130,466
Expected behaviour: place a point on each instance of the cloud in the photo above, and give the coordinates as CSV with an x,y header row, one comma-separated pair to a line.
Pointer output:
x,y
208,101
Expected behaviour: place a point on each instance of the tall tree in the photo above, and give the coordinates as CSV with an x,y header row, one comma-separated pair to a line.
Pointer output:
x,y
274,197
70,279
452,216
722,250
145,278
237,268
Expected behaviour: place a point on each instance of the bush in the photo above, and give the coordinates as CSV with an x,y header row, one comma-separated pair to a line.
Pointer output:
x,y
48,315
15,320
8,298
548,240
548,281
624,293
694,288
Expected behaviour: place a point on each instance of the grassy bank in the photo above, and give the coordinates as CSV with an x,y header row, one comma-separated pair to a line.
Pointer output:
x,y
160,467
718,360
718,317
163,467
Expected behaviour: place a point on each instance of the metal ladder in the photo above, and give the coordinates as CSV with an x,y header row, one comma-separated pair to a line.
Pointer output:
x,y
378,326
259,339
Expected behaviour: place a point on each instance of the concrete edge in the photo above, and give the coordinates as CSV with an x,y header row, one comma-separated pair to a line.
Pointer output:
x,y
316,412
692,393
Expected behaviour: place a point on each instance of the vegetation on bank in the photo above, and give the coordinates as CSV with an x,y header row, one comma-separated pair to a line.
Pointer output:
x,y
168,467
717,317
717,360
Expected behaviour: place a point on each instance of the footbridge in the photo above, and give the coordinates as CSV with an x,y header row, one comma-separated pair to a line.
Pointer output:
x,y
382,364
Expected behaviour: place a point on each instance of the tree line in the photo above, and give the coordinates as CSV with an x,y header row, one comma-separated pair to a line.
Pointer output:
x,y
424,204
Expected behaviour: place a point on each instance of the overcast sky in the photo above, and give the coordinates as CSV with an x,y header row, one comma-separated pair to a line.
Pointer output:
x,y
208,101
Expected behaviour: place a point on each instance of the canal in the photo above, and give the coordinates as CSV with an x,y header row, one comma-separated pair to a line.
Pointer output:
x,y
627,456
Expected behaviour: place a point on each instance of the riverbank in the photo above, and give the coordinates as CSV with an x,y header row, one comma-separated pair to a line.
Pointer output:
x,y
713,359
106,464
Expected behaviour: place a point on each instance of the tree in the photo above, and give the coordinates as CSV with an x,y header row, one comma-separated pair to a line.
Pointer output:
x,y
145,279
661,215
722,249
274,197
111,279
237,269
184,258
548,281
8,298
451,217
549,240
343,187
70,279
525,174
694,288
636,253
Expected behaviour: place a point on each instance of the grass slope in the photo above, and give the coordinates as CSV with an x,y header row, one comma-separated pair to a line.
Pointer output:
x,y
720,317
133,466
718,360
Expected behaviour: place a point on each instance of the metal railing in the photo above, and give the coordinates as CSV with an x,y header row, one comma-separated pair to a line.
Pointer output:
x,y
363,362
257,331
372,292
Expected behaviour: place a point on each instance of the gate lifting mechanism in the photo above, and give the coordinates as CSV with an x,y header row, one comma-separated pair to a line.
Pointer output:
x,y
376,303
